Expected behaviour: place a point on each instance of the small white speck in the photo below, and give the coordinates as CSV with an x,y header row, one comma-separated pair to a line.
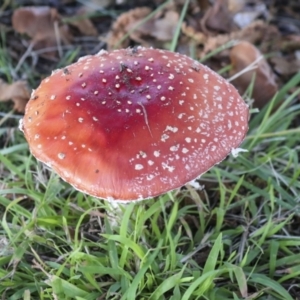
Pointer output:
x,y
143,154
52,97
95,118
129,102
104,80
61,155
191,80
83,85
147,68
80,120
174,148
164,137
171,76
139,167
173,129
150,177
162,98
188,139
68,97
138,110
150,162
148,97
159,87
217,88
185,150
181,102
138,78
117,85
205,76
156,153
96,93
170,88
169,168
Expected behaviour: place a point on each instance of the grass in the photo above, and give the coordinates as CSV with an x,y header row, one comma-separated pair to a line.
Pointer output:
x,y
236,239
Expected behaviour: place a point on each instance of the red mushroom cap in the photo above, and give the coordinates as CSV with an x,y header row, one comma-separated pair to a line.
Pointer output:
x,y
133,123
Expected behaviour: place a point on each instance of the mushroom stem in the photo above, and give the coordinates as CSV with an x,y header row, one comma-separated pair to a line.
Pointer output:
x,y
115,212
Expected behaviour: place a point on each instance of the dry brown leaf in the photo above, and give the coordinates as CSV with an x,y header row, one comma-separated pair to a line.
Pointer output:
x,y
17,92
198,37
218,18
284,67
121,25
39,23
160,28
203,4
254,33
83,23
236,5
244,54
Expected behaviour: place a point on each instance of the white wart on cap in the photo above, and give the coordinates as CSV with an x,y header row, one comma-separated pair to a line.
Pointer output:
x,y
134,123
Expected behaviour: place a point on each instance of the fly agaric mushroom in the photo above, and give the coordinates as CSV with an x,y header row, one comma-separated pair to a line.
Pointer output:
x,y
133,123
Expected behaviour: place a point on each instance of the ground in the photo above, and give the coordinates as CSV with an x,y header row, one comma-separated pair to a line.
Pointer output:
x,y
237,237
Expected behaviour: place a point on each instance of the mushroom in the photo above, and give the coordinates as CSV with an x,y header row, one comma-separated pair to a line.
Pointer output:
x,y
132,124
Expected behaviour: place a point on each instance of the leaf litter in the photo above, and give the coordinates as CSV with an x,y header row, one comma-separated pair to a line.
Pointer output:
x,y
251,30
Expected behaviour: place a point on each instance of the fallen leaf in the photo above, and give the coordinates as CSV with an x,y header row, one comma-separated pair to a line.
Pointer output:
x,y
235,6
242,56
198,37
83,23
42,24
160,28
257,32
121,27
18,92
284,67
218,18
249,14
